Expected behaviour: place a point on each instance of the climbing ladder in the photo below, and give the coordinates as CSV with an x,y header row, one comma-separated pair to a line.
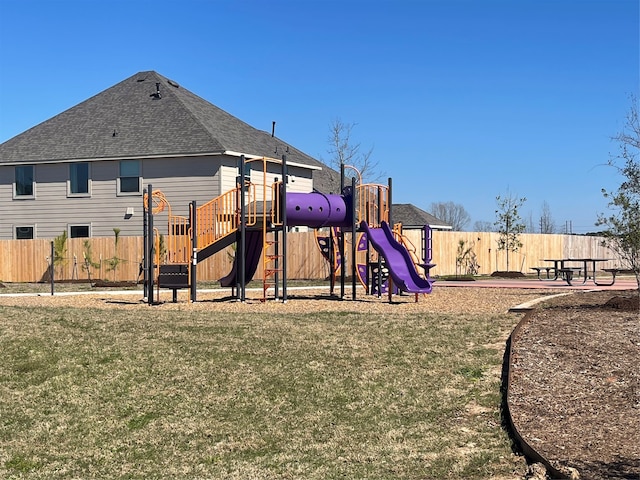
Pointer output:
x,y
272,258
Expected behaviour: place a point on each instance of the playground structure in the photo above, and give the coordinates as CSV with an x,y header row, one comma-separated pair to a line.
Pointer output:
x,y
257,217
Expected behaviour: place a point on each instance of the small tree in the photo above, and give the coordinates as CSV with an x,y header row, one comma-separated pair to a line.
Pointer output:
x,y
114,261
466,259
60,250
509,224
89,263
623,226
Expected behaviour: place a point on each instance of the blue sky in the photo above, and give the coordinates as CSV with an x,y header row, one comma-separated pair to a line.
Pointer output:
x,y
461,100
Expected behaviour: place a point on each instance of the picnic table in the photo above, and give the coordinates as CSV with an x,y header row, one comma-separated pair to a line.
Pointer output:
x,y
587,270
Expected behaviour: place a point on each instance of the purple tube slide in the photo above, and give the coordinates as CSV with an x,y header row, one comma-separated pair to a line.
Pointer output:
x,y
318,210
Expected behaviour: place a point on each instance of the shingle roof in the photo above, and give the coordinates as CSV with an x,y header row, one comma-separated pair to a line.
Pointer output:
x,y
411,216
129,120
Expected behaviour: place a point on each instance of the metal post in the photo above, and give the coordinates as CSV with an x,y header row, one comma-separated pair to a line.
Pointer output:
x,y
353,240
51,269
276,237
390,221
194,250
379,223
150,242
285,179
332,262
341,239
145,247
390,205
240,274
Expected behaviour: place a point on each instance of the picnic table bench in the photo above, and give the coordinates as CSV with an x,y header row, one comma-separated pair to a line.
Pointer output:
x,y
568,273
539,269
613,272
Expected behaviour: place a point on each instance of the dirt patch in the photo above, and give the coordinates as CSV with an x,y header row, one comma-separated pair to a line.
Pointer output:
x,y
508,274
574,395
624,303
107,284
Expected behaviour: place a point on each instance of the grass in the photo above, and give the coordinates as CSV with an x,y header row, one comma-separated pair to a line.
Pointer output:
x,y
88,393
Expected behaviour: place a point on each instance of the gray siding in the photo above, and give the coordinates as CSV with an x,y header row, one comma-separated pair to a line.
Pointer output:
x,y
181,180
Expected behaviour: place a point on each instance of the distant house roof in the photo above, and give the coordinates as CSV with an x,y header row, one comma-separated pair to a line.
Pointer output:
x,y
411,216
144,116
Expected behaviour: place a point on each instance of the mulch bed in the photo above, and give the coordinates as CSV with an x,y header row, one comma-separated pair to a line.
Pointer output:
x,y
508,274
574,390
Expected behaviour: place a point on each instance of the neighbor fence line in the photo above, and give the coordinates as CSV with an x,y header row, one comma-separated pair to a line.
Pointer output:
x,y
28,260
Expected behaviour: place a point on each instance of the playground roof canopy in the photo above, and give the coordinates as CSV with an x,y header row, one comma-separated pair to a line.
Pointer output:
x,y
147,116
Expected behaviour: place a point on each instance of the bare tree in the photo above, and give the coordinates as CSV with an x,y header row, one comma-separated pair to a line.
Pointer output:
x,y
344,152
450,213
530,226
623,225
547,225
482,226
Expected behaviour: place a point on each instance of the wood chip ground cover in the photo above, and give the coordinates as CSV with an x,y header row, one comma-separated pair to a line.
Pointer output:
x,y
575,392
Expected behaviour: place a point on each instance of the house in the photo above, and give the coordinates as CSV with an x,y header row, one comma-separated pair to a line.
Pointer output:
x,y
84,171
413,217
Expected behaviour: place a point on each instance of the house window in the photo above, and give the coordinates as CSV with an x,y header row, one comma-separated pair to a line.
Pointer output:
x,y
78,231
24,185
24,233
129,181
79,182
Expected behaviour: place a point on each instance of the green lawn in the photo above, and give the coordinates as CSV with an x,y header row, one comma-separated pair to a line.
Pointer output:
x,y
95,393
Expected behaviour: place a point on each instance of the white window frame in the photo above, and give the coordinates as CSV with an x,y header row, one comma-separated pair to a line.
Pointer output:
x,y
33,183
16,227
119,192
71,225
82,194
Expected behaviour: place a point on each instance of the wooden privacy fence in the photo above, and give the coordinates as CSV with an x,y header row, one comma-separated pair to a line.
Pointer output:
x,y
28,260
536,248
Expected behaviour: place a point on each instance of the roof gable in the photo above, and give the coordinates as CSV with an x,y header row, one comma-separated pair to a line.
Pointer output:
x,y
142,116
411,216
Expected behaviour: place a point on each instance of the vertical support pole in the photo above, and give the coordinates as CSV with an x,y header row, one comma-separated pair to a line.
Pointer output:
x,y
332,262
151,242
240,274
379,222
51,269
353,239
275,203
341,239
285,180
390,219
390,205
276,237
145,246
193,281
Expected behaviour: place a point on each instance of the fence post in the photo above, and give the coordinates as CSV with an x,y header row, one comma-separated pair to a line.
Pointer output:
x,y
51,269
